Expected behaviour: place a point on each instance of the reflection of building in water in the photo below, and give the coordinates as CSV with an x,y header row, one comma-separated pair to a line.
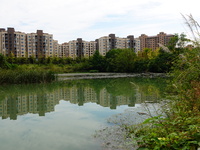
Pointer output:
x,y
31,103
43,102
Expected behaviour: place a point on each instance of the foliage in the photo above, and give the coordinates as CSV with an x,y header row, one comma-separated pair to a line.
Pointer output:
x,y
3,63
179,128
97,62
120,60
26,76
178,42
116,60
174,133
162,63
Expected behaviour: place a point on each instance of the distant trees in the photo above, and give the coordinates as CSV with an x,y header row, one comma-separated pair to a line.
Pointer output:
x,y
97,62
120,60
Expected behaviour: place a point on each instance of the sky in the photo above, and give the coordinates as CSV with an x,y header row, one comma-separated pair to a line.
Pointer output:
x,y
91,19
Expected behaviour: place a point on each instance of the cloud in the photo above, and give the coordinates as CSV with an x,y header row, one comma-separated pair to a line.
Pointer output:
x,y
66,128
91,19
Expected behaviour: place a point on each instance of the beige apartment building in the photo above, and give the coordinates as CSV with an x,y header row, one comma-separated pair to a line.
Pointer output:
x,y
89,48
80,48
72,49
103,45
106,43
40,44
64,51
12,43
152,41
19,44
56,48
137,45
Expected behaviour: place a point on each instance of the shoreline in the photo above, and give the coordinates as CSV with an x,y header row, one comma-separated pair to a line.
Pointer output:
x,y
74,76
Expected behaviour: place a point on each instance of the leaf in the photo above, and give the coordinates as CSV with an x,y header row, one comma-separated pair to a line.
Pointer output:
x,y
142,148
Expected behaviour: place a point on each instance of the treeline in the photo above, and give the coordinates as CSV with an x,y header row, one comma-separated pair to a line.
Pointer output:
x,y
116,60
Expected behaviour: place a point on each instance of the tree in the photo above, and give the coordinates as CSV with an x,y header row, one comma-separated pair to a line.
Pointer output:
x,y
111,59
3,63
125,61
97,61
178,42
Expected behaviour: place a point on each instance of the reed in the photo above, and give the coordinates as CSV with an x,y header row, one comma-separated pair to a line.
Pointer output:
x,y
22,76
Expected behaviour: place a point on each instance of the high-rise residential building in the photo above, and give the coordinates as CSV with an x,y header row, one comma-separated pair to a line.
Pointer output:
x,y
56,48
137,45
12,43
80,48
106,43
40,44
64,52
72,49
152,41
89,48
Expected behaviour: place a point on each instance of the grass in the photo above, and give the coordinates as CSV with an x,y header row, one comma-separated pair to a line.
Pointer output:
x,y
25,76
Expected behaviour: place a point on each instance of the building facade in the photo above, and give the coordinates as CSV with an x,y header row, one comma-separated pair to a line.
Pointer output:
x,y
12,43
106,43
152,41
64,51
40,44
137,45
80,48
56,48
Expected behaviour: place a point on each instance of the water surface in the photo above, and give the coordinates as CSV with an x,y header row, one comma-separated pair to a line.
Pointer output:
x,y
65,116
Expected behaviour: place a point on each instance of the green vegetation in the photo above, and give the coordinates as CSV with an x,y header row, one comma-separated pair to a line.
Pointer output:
x,y
116,60
30,70
25,76
13,74
179,127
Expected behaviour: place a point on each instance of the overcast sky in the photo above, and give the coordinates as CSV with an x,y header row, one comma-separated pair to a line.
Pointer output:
x,y
90,19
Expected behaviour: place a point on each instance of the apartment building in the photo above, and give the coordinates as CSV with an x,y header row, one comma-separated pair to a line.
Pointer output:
x,y
64,51
106,43
56,48
152,41
80,48
89,48
12,43
103,45
137,45
40,44
73,49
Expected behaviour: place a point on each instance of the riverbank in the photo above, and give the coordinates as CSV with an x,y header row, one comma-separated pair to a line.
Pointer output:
x,y
73,76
